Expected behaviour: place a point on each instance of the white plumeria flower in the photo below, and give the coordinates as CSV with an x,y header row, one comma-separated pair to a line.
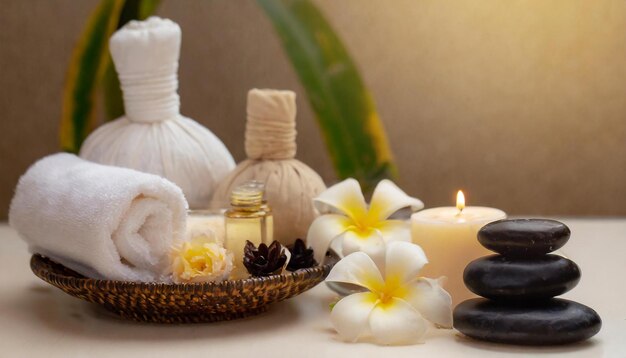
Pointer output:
x,y
398,304
357,226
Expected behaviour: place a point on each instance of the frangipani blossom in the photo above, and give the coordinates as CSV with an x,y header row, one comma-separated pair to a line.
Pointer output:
x,y
398,303
356,225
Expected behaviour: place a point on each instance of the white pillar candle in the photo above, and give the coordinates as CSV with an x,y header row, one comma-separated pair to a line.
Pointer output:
x,y
448,237
199,222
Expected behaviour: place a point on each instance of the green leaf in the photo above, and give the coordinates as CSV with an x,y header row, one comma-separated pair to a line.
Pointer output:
x,y
332,305
85,71
113,101
147,8
344,108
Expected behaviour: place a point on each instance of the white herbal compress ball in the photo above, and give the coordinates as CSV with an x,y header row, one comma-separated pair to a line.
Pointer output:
x,y
290,185
153,136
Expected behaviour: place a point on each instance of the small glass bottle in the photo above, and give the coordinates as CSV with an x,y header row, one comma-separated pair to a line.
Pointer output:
x,y
248,219
269,216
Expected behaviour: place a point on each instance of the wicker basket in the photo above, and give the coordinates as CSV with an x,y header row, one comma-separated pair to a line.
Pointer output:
x,y
181,303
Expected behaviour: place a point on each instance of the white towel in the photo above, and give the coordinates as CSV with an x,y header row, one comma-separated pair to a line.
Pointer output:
x,y
101,221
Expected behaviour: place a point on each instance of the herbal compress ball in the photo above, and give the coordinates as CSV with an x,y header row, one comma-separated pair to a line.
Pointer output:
x,y
290,185
153,136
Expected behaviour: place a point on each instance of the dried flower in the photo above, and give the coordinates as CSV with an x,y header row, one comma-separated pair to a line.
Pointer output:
x,y
201,259
301,256
264,260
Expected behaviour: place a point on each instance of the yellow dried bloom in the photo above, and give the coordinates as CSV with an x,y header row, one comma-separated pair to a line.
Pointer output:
x,y
201,260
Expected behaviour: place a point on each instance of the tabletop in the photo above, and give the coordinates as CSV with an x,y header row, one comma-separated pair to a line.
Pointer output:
x,y
38,320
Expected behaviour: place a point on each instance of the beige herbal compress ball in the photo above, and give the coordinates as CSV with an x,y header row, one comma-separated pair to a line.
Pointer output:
x,y
290,185
153,136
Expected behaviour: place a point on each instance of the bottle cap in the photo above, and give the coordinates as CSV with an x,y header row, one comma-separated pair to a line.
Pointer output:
x,y
249,193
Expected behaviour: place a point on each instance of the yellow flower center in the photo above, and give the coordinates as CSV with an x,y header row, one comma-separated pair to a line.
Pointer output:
x,y
362,231
200,259
200,263
392,288
385,298
364,224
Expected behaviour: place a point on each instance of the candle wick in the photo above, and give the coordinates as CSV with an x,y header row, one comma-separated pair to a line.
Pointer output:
x,y
460,211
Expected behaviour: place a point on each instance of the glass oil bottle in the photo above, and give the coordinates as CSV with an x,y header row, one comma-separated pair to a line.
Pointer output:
x,y
248,219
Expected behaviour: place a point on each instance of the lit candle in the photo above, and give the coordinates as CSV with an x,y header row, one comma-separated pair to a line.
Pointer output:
x,y
448,237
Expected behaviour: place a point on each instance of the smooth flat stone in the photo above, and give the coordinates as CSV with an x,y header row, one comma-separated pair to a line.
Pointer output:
x,y
555,321
524,237
501,278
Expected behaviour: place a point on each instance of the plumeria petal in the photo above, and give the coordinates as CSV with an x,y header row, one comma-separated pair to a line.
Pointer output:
x,y
357,269
336,245
434,303
403,262
388,198
346,197
369,242
323,230
395,230
396,322
351,314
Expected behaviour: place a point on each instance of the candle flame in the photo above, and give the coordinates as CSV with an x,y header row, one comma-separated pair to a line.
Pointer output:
x,y
460,201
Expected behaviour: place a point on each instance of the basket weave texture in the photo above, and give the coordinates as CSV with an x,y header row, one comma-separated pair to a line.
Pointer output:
x,y
181,302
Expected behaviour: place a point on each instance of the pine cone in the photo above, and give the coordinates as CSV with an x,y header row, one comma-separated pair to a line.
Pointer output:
x,y
301,256
264,260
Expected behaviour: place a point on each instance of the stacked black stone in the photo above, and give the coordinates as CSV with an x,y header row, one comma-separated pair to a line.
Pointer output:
x,y
519,285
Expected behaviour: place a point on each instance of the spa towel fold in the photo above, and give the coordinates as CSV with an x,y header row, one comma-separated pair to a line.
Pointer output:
x,y
101,221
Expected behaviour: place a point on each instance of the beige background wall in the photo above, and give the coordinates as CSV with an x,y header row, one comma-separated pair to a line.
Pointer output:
x,y
520,103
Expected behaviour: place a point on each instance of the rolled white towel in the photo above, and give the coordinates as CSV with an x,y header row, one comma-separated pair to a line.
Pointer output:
x,y
101,221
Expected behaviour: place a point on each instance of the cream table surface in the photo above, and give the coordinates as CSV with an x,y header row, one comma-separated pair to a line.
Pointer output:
x,y
38,320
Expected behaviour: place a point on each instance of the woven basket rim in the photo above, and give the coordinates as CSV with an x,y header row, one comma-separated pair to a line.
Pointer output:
x,y
43,267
